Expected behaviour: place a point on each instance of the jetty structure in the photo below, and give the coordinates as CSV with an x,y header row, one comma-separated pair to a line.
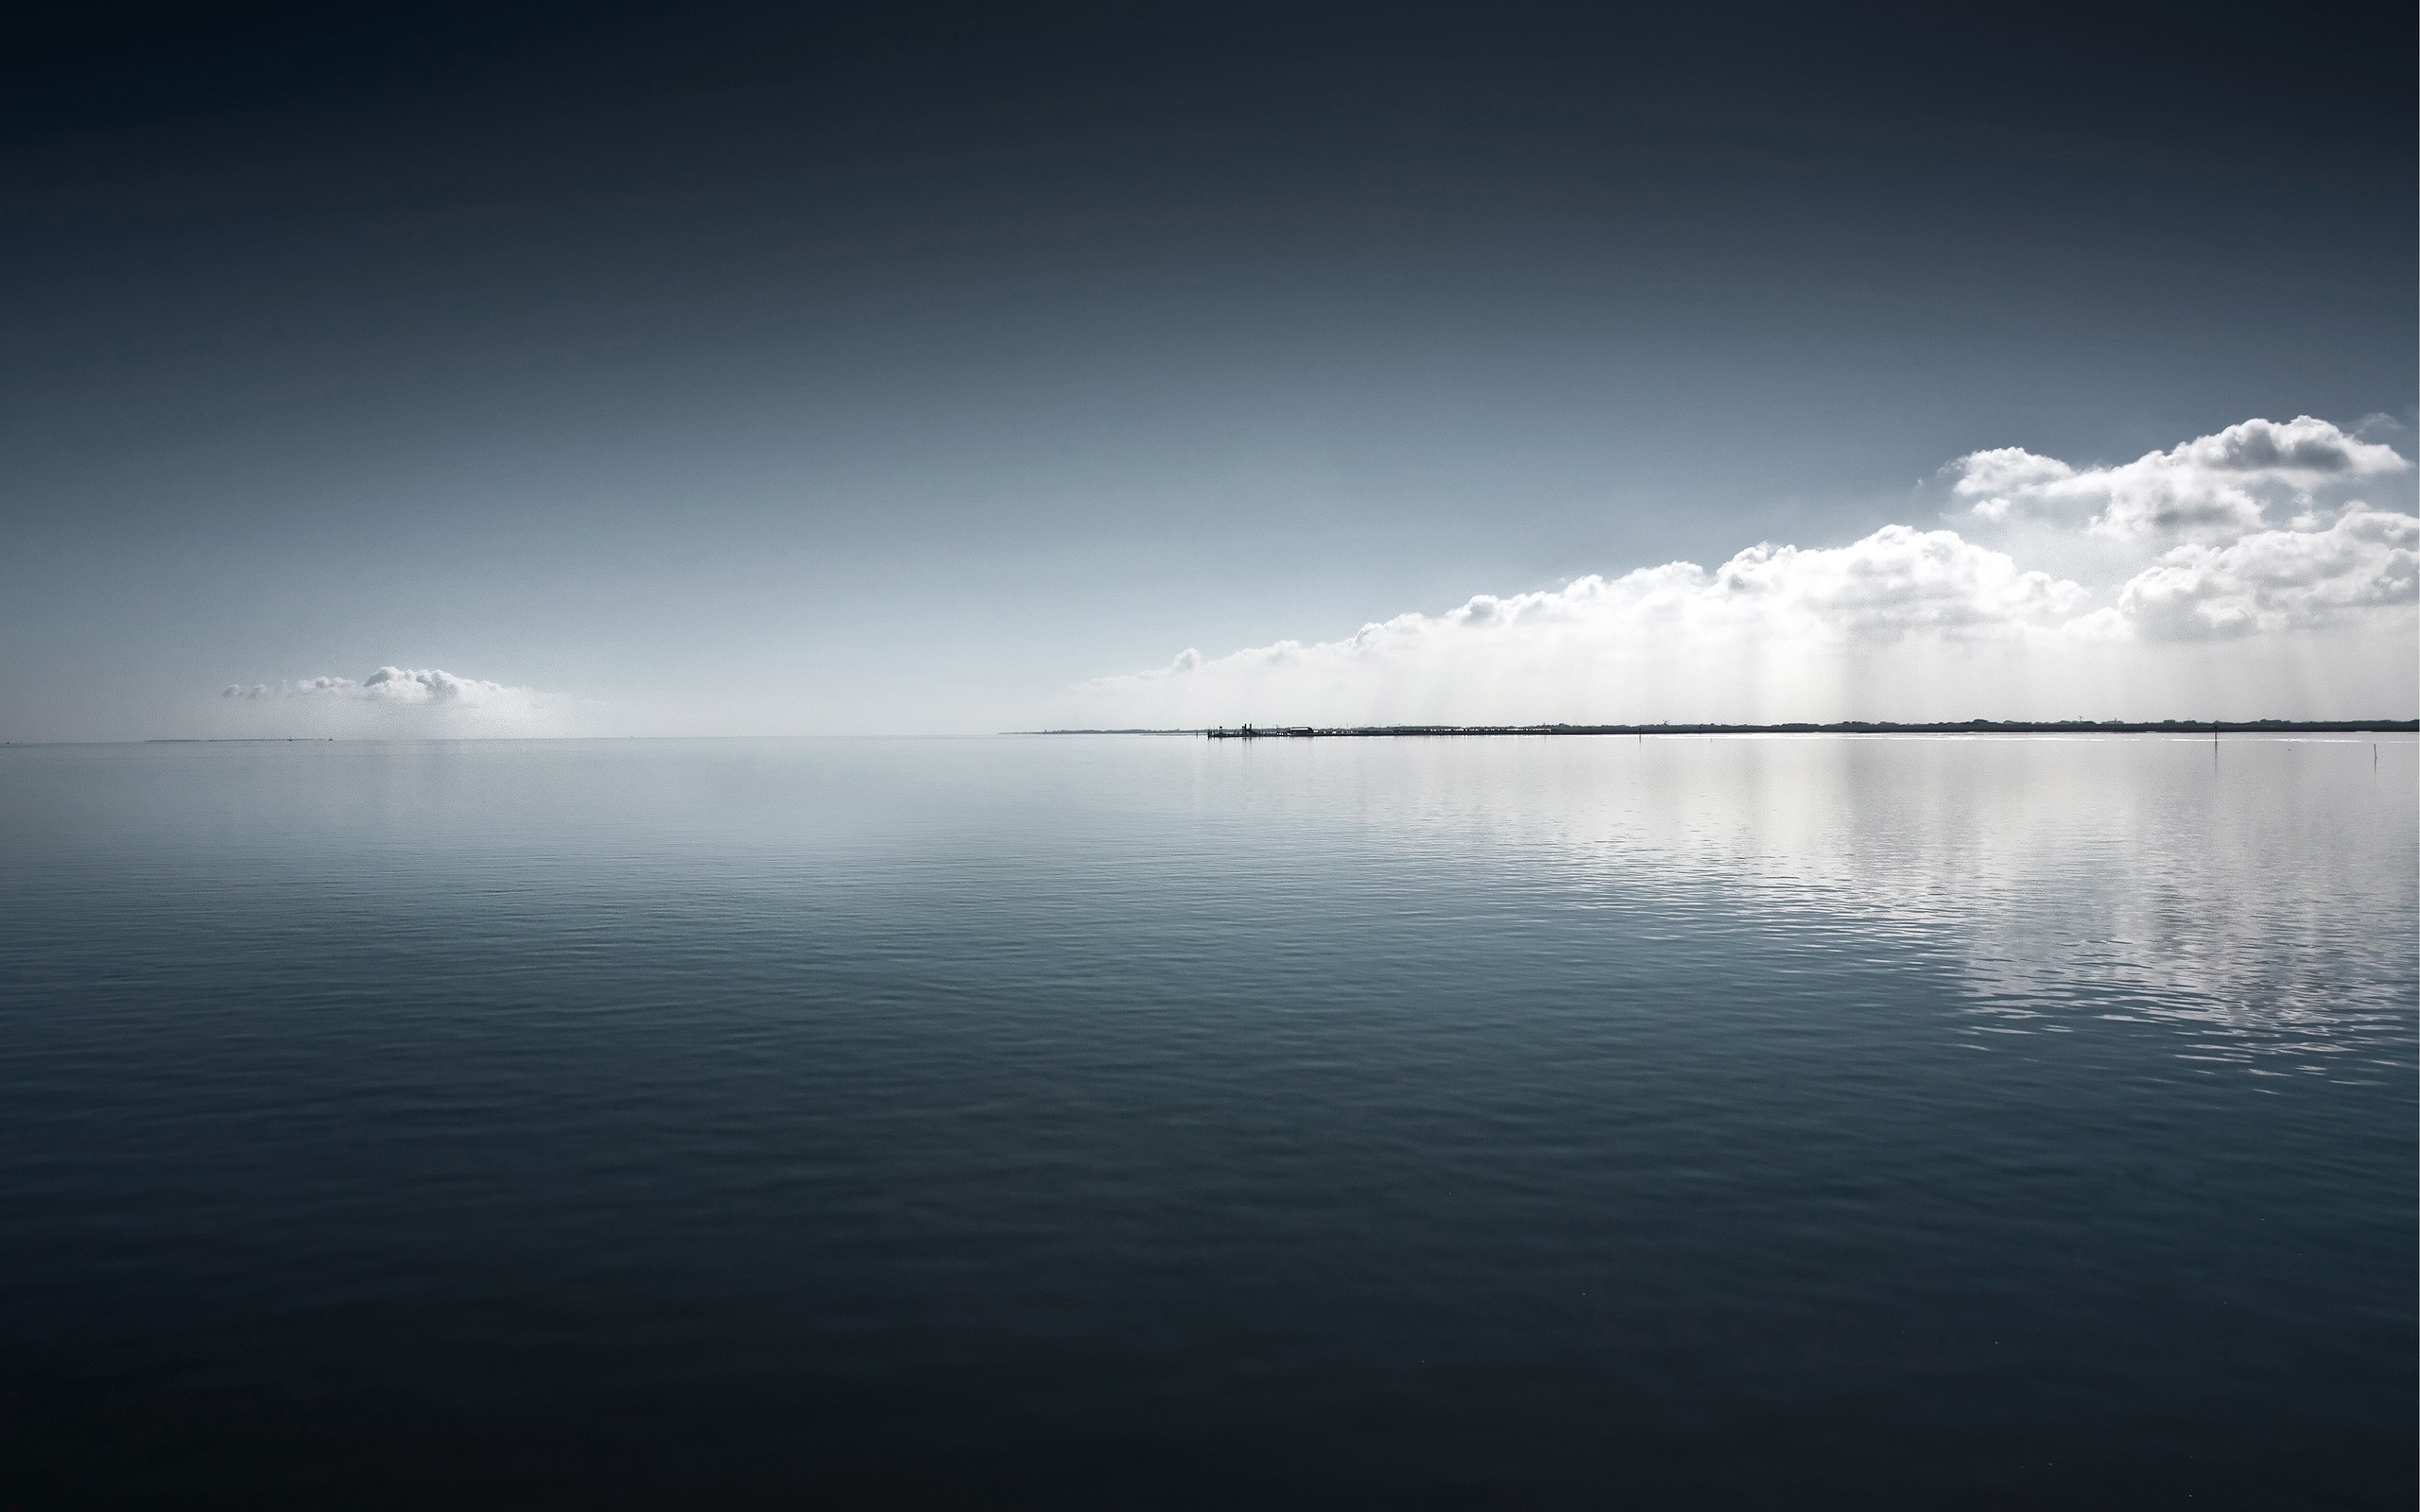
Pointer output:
x,y
1847,727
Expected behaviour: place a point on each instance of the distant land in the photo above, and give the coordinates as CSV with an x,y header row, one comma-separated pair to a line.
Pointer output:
x,y
241,740
1847,727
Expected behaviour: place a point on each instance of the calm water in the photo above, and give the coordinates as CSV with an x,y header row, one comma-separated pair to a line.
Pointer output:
x,y
1152,1121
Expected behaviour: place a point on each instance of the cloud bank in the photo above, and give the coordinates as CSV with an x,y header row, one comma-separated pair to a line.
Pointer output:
x,y
2241,578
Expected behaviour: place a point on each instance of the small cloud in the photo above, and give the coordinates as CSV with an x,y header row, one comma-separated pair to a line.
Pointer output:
x,y
398,687
392,703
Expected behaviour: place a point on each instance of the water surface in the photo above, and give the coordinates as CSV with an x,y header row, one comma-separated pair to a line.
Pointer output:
x,y
1915,1122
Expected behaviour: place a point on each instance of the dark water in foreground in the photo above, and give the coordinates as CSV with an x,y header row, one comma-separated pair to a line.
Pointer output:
x,y
1748,1121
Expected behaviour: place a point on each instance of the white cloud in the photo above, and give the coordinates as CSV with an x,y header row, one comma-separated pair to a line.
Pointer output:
x,y
2278,580
2212,486
1896,582
1628,640
390,704
400,687
2316,609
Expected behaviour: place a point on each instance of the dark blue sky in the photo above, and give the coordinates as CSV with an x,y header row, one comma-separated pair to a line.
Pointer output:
x,y
894,368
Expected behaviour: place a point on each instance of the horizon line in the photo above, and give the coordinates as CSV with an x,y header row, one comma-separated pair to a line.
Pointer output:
x,y
1847,727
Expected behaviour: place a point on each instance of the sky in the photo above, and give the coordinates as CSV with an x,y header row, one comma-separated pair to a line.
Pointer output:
x,y
625,369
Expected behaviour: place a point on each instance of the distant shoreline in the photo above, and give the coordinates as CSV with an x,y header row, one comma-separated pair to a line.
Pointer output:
x,y
1852,727
240,740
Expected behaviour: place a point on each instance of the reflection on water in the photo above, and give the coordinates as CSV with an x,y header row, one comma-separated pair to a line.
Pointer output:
x,y
2257,892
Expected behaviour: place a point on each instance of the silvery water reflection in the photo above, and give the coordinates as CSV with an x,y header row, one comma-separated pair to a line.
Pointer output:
x,y
2255,892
